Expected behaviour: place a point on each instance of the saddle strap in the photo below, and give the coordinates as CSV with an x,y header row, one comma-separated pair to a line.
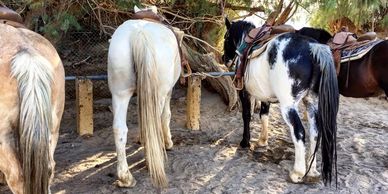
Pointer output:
x,y
263,34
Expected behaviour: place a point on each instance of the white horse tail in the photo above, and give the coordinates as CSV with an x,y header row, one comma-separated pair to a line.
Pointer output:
x,y
327,110
34,76
149,105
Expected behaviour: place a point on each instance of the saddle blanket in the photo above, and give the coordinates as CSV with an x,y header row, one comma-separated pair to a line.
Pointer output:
x,y
358,52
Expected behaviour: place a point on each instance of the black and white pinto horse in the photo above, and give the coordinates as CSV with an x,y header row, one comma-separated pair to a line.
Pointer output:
x,y
293,68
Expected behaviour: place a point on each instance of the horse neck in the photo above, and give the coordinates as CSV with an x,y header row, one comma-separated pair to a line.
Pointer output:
x,y
320,35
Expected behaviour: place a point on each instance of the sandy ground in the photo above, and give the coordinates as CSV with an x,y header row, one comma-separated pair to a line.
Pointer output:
x,y
210,160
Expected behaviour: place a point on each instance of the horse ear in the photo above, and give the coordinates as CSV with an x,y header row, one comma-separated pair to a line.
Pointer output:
x,y
227,23
136,9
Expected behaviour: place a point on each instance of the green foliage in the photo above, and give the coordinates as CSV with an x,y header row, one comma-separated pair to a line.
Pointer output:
x,y
319,20
125,5
360,12
385,21
199,8
216,36
61,23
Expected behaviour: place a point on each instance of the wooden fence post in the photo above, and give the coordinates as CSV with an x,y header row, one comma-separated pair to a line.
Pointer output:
x,y
193,102
84,106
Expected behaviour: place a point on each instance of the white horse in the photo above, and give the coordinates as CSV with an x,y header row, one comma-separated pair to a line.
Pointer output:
x,y
143,58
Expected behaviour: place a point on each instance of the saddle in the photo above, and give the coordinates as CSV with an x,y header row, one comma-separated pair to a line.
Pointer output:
x,y
148,15
346,51
262,43
10,17
257,40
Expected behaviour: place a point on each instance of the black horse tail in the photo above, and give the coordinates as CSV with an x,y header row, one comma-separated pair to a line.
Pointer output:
x,y
327,110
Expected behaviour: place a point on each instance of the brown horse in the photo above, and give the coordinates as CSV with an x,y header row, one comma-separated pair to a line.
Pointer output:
x,y
364,77
31,104
367,76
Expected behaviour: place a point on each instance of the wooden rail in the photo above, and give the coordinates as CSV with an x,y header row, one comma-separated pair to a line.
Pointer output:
x,y
84,100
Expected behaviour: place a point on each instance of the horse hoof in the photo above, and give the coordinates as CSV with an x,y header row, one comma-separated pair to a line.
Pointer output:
x,y
126,180
169,145
312,179
126,183
313,176
262,143
245,144
296,177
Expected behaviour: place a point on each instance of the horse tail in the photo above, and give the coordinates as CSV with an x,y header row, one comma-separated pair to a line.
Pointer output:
x,y
34,76
327,110
149,105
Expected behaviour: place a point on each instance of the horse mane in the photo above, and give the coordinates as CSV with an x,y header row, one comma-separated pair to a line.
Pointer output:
x,y
239,28
319,34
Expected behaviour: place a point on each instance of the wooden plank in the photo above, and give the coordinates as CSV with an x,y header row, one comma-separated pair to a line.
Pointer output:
x,y
193,102
84,106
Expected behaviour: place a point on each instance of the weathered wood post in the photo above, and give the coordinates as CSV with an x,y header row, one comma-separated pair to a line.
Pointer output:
x,y
84,106
193,102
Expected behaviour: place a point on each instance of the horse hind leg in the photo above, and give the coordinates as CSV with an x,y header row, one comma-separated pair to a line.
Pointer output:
x,y
291,117
54,141
120,102
10,166
311,102
166,117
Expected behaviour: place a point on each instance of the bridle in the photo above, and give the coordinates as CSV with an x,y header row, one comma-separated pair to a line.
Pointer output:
x,y
235,55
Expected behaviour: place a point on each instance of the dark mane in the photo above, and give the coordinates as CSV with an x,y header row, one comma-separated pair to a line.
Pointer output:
x,y
320,35
235,31
239,28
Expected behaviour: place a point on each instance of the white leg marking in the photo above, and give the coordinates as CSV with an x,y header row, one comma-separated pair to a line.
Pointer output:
x,y
299,169
313,174
120,129
263,140
166,117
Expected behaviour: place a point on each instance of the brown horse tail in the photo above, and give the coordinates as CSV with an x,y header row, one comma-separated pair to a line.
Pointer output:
x,y
34,77
149,105
327,110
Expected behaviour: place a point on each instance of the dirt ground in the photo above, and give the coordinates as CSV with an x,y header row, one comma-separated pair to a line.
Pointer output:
x,y
210,160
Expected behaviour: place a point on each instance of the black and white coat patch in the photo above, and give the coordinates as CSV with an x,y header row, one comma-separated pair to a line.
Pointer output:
x,y
293,68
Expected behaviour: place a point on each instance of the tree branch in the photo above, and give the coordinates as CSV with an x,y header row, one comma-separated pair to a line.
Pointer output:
x,y
249,9
285,13
272,16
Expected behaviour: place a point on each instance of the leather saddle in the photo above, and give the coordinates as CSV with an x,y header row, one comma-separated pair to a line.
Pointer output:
x,y
352,50
10,17
257,39
147,15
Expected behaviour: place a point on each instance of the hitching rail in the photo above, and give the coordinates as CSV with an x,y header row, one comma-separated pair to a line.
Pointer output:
x,y
84,99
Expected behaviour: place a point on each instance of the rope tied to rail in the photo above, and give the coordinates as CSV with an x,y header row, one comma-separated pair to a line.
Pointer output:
x,y
202,75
